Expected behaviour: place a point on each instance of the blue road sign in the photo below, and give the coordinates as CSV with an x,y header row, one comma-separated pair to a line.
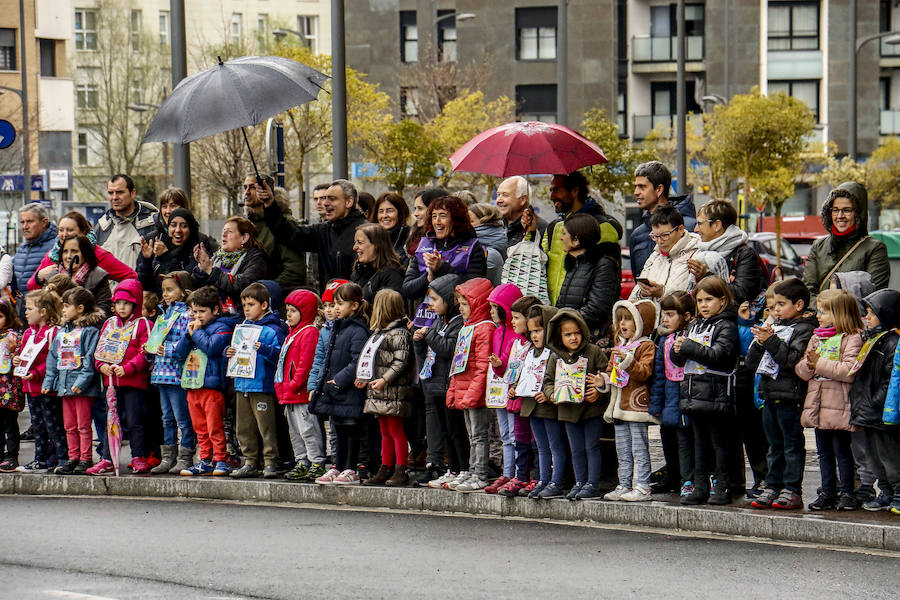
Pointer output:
x,y
7,134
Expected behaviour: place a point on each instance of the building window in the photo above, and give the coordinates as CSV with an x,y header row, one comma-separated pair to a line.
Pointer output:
x,y
409,102
308,25
664,23
262,28
48,58
86,93
136,18
884,15
536,103
7,49
409,37
793,26
82,148
137,92
163,28
536,33
446,35
85,30
884,93
237,21
807,91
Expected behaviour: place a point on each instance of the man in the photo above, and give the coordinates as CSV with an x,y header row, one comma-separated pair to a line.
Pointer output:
x,y
512,200
667,268
652,181
319,193
39,235
331,240
126,222
569,194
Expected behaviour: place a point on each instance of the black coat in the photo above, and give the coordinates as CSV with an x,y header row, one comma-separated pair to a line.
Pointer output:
x,y
342,398
787,386
442,339
415,284
372,281
254,267
592,285
747,277
710,392
150,270
870,388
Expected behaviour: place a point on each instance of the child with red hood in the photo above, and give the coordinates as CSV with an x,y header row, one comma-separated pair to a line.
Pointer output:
x,y
468,379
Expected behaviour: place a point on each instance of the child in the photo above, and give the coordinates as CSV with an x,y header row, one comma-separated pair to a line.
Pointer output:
x,y
71,374
773,355
549,433
291,385
121,360
201,353
165,376
11,399
386,370
468,380
678,308
869,395
150,307
519,352
501,300
831,352
255,393
569,383
749,417
629,369
336,396
43,312
709,354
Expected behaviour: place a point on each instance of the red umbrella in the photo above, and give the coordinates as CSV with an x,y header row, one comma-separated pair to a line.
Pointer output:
x,y
530,148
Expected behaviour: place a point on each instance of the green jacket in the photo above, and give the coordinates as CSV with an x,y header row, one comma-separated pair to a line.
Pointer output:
x,y
286,264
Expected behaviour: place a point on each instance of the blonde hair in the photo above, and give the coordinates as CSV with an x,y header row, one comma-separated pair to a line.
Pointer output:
x,y
49,302
621,313
844,309
387,307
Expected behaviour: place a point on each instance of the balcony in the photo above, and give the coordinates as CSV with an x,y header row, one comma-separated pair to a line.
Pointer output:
x,y
890,122
888,49
646,49
644,124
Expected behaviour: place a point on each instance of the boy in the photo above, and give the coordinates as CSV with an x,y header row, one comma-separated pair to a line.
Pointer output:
x,y
773,354
150,308
203,377
255,395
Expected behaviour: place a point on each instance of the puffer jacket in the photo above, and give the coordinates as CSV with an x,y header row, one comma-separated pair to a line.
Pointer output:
x,y
639,241
84,377
870,255
467,389
318,364
493,240
597,362
29,256
531,407
270,340
441,338
250,268
878,376
827,404
135,363
38,369
372,281
665,394
592,284
300,347
632,402
787,387
746,274
394,363
212,341
342,399
504,295
711,393
669,271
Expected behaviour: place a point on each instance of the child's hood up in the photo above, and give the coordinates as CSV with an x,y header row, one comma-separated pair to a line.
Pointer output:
x,y
476,292
552,335
132,291
504,295
643,313
886,306
444,286
307,303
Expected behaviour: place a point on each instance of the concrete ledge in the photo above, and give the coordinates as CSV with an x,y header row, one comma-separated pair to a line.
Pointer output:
x,y
799,527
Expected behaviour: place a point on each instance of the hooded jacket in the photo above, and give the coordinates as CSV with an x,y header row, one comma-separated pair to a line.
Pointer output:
x,y
670,271
665,393
166,368
274,330
878,376
395,363
870,255
212,340
592,284
639,241
827,404
301,342
631,403
38,369
857,283
318,364
467,389
531,407
787,387
135,363
597,362
84,377
742,268
441,337
342,399
504,295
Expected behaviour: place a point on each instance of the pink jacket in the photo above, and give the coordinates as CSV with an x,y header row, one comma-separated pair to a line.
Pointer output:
x,y
38,369
299,360
118,271
827,404
467,389
135,363
504,295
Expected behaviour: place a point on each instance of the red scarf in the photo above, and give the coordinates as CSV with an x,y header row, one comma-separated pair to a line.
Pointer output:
x,y
843,233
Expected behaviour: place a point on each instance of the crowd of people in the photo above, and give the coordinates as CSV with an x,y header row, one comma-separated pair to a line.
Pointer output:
x,y
476,348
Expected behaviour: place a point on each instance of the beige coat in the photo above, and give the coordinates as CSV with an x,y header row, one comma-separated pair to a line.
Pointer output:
x,y
827,404
670,271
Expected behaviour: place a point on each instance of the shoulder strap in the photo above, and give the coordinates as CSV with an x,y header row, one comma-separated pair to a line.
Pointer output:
x,y
834,269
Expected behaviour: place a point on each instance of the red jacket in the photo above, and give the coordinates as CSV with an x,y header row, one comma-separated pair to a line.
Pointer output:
x,y
38,369
135,363
299,360
118,271
467,389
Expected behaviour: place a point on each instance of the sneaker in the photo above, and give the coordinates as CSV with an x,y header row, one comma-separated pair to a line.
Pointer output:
x,y
316,470
82,467
788,500
233,461
512,488
430,473
204,467
551,490
529,487
535,493
140,466
328,477
152,460
362,471
35,466
695,498
574,491
441,482
9,465
823,502
222,469
461,478
881,502
248,470
101,468
765,499
895,507
686,488
472,484
847,502
756,490
347,477
298,473
588,491
494,488
863,495
617,493
636,495
67,468
271,472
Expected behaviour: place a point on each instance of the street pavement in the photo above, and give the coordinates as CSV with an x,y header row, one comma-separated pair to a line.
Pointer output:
x,y
96,549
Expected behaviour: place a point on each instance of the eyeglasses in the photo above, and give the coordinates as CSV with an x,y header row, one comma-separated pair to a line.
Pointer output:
x,y
662,236
843,211
702,221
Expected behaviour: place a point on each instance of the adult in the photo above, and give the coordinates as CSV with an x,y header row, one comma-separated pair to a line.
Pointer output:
x,y
167,201
332,241
722,238
391,212
364,202
450,246
420,212
377,265
492,234
78,260
6,278
239,262
319,193
652,181
39,235
667,268
513,194
72,225
182,236
121,228
569,194
847,247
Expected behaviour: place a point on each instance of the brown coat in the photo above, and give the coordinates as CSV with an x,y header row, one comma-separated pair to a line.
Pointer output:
x,y
632,402
827,404
394,363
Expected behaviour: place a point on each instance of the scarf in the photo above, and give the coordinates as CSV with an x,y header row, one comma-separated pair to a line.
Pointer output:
x,y
824,332
843,233
227,259
79,276
57,246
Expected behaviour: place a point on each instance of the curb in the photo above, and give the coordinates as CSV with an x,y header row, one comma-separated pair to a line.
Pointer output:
x,y
658,515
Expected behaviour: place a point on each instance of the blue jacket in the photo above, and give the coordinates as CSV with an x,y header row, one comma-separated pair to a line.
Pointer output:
x,y
85,378
270,341
212,340
167,368
639,241
665,395
29,256
342,399
319,358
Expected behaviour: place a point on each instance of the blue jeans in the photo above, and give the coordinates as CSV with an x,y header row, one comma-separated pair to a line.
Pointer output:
x,y
584,442
550,437
835,457
98,415
633,450
787,446
175,416
507,423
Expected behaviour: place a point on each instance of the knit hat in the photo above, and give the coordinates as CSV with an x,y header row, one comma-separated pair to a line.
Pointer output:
x,y
331,288
182,278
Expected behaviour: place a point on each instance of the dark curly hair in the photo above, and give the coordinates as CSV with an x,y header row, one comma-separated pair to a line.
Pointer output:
x,y
459,215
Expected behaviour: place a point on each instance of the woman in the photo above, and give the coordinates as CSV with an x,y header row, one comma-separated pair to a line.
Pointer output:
x,y
377,265
238,263
170,199
391,212
420,209
492,235
72,225
78,260
182,236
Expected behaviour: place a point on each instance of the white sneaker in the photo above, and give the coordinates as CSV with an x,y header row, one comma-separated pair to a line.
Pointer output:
x,y
617,493
329,477
636,495
441,481
472,484
461,478
347,477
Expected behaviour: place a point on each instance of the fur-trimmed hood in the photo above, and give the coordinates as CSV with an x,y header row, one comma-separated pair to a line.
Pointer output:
x,y
93,318
645,316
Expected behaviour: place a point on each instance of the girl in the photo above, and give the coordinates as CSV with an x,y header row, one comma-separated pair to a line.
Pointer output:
x,y
166,375
831,352
627,373
385,371
71,374
336,396
11,400
709,354
678,308
43,312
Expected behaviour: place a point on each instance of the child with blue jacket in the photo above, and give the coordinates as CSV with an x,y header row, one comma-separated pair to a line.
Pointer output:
x,y
321,351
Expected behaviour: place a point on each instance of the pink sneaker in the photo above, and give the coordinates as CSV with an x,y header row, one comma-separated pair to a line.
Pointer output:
x,y
329,477
140,466
348,477
101,468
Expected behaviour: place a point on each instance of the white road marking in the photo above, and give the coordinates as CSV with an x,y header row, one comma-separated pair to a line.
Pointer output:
x,y
75,595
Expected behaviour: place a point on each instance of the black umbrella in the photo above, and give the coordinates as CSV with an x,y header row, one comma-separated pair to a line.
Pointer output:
x,y
241,92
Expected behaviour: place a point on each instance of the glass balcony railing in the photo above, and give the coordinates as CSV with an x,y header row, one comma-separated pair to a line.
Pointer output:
x,y
889,49
664,49
890,122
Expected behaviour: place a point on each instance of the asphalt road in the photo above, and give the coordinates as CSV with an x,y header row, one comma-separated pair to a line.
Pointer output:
x,y
99,549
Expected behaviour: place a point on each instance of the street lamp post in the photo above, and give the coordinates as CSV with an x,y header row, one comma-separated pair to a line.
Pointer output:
x,y
562,63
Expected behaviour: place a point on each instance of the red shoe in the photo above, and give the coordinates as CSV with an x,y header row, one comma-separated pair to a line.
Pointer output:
x,y
152,460
495,487
529,487
140,466
511,489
